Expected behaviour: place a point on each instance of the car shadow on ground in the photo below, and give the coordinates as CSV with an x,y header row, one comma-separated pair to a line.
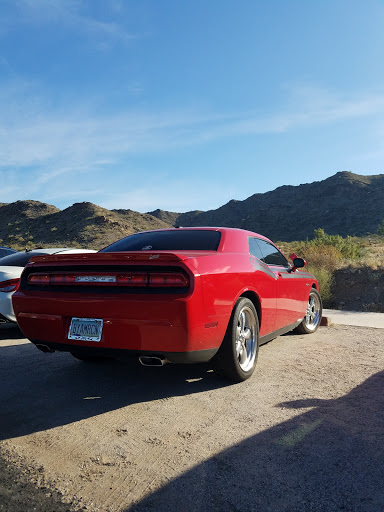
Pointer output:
x,y
10,331
41,391
328,459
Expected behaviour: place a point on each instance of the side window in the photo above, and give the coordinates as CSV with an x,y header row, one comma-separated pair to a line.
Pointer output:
x,y
271,255
254,249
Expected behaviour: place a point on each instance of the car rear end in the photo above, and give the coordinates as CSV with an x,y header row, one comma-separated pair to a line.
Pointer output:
x,y
115,304
9,281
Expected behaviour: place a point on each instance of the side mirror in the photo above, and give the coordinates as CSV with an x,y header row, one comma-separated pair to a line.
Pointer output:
x,y
297,262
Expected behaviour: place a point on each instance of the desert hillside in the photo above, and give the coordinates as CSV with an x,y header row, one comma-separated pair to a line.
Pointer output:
x,y
344,204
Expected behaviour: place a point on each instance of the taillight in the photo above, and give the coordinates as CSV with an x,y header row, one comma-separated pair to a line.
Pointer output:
x,y
169,279
135,279
9,286
39,279
129,279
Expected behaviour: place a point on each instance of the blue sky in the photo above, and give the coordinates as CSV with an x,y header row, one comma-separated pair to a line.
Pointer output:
x,y
186,104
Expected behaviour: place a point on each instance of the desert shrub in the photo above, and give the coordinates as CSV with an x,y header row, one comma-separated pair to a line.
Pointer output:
x,y
348,247
325,254
380,229
322,257
325,279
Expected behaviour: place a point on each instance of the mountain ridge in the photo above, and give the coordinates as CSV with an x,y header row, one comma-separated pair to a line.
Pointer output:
x,y
351,204
345,204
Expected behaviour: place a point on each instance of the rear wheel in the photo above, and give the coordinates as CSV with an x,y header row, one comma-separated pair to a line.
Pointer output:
x,y
237,356
313,315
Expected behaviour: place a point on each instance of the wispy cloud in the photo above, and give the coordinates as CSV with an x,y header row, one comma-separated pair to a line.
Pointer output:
x,y
41,146
33,134
70,14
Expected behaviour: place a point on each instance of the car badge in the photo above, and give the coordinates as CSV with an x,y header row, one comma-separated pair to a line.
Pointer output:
x,y
95,279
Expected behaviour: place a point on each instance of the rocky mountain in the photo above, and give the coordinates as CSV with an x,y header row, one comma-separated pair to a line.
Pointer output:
x,y
31,224
345,204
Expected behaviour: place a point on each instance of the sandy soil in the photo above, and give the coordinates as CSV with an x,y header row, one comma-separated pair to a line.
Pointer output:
x,y
305,433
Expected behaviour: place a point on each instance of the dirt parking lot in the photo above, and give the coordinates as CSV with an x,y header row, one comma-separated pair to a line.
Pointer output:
x,y
305,433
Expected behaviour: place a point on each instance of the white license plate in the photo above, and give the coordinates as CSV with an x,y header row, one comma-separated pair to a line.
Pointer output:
x,y
86,329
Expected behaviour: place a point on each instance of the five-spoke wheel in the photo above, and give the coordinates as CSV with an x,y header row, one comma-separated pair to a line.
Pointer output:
x,y
313,314
237,356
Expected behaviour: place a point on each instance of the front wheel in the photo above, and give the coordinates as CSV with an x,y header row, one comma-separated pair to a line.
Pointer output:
x,y
237,356
313,315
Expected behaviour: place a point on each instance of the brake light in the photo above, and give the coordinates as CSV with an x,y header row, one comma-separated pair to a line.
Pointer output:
x,y
39,279
168,279
134,279
9,286
129,279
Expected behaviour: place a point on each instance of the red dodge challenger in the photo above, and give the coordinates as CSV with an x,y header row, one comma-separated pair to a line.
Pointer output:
x,y
179,295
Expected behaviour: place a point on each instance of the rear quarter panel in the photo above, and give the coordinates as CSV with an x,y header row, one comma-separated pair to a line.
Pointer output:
x,y
224,278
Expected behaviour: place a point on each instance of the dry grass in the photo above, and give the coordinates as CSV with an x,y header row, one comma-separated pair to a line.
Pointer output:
x,y
324,260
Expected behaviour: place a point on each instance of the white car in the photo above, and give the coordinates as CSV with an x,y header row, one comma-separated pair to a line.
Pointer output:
x,y
11,267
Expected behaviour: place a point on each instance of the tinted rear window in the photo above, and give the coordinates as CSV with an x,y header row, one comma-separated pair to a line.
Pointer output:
x,y
178,240
4,251
19,259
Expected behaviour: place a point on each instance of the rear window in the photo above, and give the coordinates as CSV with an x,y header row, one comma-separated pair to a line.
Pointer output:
x,y
177,240
4,251
19,259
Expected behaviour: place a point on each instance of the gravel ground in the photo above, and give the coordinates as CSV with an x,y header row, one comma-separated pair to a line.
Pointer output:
x,y
305,433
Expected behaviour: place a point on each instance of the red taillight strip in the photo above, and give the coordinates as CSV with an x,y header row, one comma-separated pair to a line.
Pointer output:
x,y
9,286
168,279
130,279
39,279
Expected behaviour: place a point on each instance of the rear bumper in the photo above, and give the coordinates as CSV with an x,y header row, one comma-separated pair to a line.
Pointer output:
x,y
152,324
197,356
6,309
5,320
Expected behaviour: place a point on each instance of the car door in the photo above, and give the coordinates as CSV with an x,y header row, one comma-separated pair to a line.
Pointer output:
x,y
265,283
290,286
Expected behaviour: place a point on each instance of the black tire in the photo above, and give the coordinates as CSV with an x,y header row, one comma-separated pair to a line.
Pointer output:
x,y
88,358
313,315
237,355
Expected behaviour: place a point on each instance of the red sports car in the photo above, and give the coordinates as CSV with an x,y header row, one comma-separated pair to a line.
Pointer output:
x,y
179,295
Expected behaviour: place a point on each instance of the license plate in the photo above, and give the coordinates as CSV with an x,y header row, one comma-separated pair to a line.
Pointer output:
x,y
86,329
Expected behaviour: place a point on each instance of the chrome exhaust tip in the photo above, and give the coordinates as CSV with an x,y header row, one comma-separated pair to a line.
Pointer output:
x,y
44,348
152,360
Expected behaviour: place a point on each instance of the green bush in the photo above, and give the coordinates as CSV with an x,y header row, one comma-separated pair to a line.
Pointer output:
x,y
348,247
325,279
324,254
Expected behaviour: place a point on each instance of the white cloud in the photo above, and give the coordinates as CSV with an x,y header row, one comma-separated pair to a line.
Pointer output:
x,y
43,151
71,14
173,195
33,134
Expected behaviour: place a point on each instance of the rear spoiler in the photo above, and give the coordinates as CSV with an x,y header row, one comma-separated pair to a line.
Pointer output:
x,y
112,257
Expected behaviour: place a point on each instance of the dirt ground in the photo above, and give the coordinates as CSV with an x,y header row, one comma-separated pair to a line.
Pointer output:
x,y
305,433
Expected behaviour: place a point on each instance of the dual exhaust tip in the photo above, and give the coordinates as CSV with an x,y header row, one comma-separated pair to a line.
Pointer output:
x,y
144,360
44,348
153,360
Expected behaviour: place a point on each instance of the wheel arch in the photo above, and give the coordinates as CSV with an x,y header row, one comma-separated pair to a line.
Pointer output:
x,y
254,298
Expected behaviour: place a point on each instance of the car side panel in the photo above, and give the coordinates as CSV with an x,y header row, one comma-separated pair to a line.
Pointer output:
x,y
292,295
226,277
